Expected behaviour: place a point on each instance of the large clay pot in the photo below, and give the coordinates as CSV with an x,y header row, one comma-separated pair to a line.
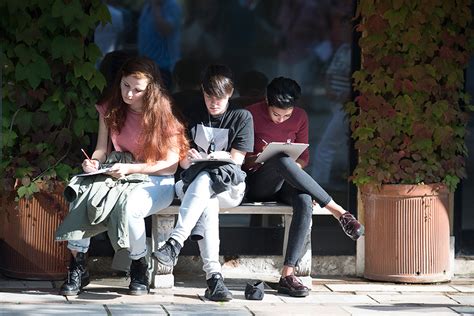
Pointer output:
x,y
27,246
407,233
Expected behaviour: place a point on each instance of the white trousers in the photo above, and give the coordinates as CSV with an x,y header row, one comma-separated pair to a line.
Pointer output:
x,y
199,199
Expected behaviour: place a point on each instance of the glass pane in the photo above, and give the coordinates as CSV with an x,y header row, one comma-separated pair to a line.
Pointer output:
x,y
306,40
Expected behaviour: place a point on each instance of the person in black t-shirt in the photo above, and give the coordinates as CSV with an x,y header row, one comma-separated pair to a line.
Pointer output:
x,y
218,130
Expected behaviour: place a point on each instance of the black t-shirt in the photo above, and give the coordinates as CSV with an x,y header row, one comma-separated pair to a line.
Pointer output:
x,y
233,129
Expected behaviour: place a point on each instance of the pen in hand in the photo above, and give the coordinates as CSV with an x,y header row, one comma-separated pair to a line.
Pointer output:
x,y
85,154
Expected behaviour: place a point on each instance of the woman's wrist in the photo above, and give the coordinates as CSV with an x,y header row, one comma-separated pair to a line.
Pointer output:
x,y
99,164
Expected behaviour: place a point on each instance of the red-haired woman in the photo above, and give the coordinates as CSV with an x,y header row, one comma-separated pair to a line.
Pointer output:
x,y
136,118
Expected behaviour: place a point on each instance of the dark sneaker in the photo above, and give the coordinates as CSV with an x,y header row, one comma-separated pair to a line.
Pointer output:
x,y
255,291
292,286
138,277
167,254
216,289
351,226
77,276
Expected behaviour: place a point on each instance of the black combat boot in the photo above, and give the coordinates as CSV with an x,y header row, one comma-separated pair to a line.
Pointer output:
x,y
139,280
77,276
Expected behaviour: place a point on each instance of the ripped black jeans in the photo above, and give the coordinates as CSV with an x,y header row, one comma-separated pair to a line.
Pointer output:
x,y
281,179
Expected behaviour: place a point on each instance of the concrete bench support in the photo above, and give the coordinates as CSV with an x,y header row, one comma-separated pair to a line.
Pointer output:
x,y
164,221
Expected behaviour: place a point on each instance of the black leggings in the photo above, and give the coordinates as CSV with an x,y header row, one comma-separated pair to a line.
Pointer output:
x,y
281,179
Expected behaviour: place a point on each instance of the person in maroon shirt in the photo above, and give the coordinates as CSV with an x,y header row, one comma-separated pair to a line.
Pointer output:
x,y
283,179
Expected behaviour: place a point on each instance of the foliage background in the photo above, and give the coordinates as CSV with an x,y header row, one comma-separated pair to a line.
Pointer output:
x,y
409,118
49,88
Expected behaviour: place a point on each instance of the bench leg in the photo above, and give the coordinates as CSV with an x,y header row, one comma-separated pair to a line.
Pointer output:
x,y
303,268
162,225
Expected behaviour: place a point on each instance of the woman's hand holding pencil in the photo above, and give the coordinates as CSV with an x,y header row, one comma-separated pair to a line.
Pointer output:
x,y
89,165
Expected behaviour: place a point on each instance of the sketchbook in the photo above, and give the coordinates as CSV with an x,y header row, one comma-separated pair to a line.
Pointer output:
x,y
294,150
104,170
213,160
217,156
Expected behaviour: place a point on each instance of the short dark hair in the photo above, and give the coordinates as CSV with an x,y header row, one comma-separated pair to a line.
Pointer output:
x,y
283,93
217,81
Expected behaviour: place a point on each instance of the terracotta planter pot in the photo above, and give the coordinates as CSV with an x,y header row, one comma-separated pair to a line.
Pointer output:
x,y
27,246
407,233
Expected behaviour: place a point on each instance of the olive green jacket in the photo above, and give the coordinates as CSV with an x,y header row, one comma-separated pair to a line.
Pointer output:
x,y
97,204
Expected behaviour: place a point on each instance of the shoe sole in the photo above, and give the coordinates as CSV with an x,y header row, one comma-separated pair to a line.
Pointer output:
x,y
138,293
227,299
75,293
166,264
69,293
360,232
301,293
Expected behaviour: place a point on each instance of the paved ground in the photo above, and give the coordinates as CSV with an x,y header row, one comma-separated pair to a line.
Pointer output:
x,y
331,296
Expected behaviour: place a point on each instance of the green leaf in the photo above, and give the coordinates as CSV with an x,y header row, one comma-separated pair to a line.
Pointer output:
x,y
23,121
396,17
363,133
98,81
58,8
103,14
73,12
21,172
9,138
27,191
22,191
92,52
79,126
85,24
24,53
63,171
34,72
55,117
66,48
85,70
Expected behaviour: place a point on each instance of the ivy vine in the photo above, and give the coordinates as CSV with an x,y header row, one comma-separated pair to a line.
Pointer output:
x,y
50,85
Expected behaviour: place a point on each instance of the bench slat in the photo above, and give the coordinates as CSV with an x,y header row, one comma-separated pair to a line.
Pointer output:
x,y
252,208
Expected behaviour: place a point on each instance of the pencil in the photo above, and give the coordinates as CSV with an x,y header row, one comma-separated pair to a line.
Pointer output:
x,y
85,154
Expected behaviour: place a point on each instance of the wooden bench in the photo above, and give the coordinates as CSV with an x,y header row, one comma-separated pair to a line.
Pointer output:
x,y
164,222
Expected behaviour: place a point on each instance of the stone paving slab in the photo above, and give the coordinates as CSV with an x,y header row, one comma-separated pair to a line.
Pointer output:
x,y
469,288
398,310
425,299
209,309
51,309
463,299
464,310
330,298
297,309
31,296
135,309
21,284
113,295
381,287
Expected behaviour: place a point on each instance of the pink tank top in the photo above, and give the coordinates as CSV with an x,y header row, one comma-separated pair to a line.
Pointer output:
x,y
127,139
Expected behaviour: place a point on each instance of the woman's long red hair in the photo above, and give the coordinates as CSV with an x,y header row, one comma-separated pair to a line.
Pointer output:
x,y
161,130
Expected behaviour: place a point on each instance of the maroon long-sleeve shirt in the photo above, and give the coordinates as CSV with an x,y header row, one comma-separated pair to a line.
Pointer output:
x,y
295,129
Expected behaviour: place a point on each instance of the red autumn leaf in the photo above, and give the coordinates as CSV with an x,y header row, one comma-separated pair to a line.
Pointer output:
x,y
448,40
376,23
362,102
408,86
445,52
38,94
397,85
